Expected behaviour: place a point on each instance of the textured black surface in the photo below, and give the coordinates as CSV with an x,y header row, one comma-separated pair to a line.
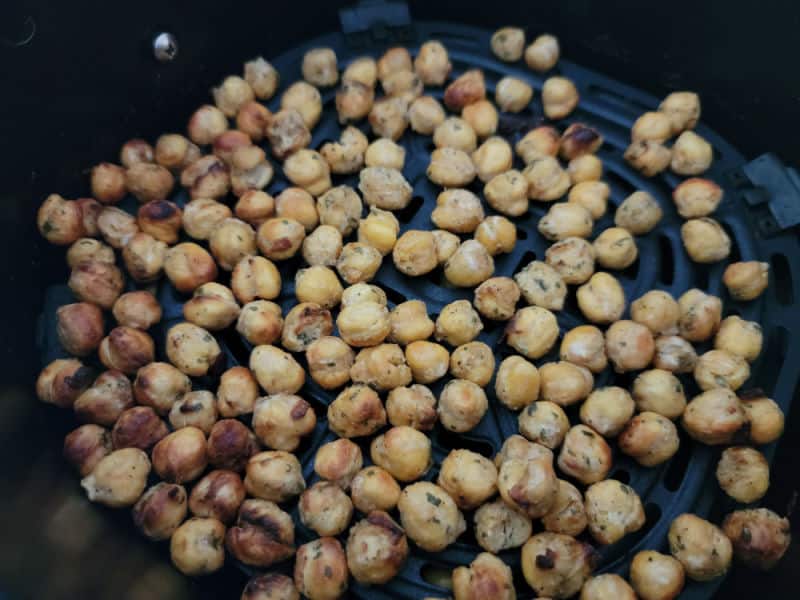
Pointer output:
x,y
684,484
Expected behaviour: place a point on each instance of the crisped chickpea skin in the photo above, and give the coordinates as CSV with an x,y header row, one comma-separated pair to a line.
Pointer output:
x,y
759,536
629,346
650,438
585,346
601,299
746,280
403,451
701,547
607,410
486,572
410,322
656,576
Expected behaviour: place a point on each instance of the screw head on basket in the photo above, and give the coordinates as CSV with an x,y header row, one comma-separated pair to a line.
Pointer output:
x,y
165,47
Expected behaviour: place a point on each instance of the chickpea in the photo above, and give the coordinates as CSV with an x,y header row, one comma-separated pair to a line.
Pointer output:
x,y
305,99
373,488
192,349
585,168
403,451
470,265
274,475
613,510
720,368
697,197
96,282
232,94
255,207
579,140
701,547
428,361
230,445
207,177
639,213
602,299
319,67
347,155
492,158
180,456
325,509
498,527
656,576
446,244
566,220
516,447
405,85
607,585
532,331
543,53
705,240
652,126
358,262
764,418
270,586
260,322
486,572
60,221
384,188
287,133
450,167
462,405
760,537
414,254
424,115
196,409
455,132
458,323
126,349
382,367
473,361
138,427
212,307
329,361
108,397
202,216
262,77
354,100
413,406
528,484
482,117
615,248
585,346
88,249
607,410
592,195
298,205
468,477
540,142
363,324
547,181
512,94
410,322
384,152
386,548
700,317
544,423
340,207
107,182
262,535
658,311
160,510
507,43
309,170
388,117
691,154
559,95
90,213
556,565
280,238
275,370
252,119
507,193
118,479
79,327
429,516
218,495
714,417
144,257
148,182
394,59
629,346
320,569
497,297
196,546
542,285
318,285
585,455
464,90
746,280
86,446
648,156
432,63
357,411
743,474
189,266
161,219
659,391
682,109
567,515
322,246
237,392
117,226
338,461
305,323
457,210
176,152
564,383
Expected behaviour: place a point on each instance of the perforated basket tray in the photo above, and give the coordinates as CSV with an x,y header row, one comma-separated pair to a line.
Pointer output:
x,y
686,483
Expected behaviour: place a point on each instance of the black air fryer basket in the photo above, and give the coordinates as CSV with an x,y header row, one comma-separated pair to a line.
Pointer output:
x,y
760,210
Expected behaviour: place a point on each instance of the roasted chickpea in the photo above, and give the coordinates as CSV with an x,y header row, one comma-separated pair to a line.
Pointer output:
x,y
760,537
305,323
189,266
615,248
230,445
743,474
364,324
413,406
274,475
322,246
358,262
701,547
696,197
528,484
746,280
148,182
429,516
446,244
585,346
658,311
305,99
565,220
202,216
403,451
639,213
464,90
473,361
218,495
656,576
347,155
320,569
629,346
356,411
659,391
428,361
262,77
319,67
270,586
507,193
232,93
144,257
482,117
384,188
691,154
455,132
542,285
457,210
512,94
196,409
280,238
329,360
556,565
161,219
543,53
497,297
180,456
138,427
382,367
79,327
568,514
470,265
126,349
394,59
564,383
309,170
262,535
118,479
541,142
287,133
720,368
592,195
340,207
654,126
543,422
613,510
450,167
493,157
108,397
402,84
607,585
318,285
764,418
547,181
325,508
648,156
96,282
107,182
507,43
196,547
232,241
363,292
376,548
498,527
175,152
207,177
607,410
458,323
578,140
60,221
237,392
384,152
682,109
87,445
354,100
160,511
585,168
432,63
559,94
410,322
260,322
486,572
602,299
585,455
714,417
253,119
276,371
373,488
700,315
532,331
388,117
90,214
116,226
705,240
255,207
192,349
468,477
88,249
338,461
462,405
212,307
414,253
425,114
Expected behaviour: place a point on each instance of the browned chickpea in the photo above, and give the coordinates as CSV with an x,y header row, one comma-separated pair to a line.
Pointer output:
x,y
338,461
746,280
262,535
462,405
144,257
585,346
696,197
430,524
260,322
428,361
175,152
499,527
700,315
347,155
701,547
565,220
601,299
207,177
329,360
287,133
126,349
425,114
414,253
382,367
305,323
212,307
455,132
280,238
116,226
705,240
281,420
648,156
108,397
88,249
482,117
320,569
413,406
160,385
760,537
232,241
653,126
556,565
540,142
96,282
743,474
276,371
363,324
547,181
161,219
720,368
470,265
532,331
466,89
196,547
230,445
275,476
202,216
356,411
388,117
568,514
217,495
354,100
189,266
650,438
358,262
579,139
80,327
118,479
373,488
87,445
232,94
486,572
542,285
585,455
675,354
192,349
149,181
496,298
468,477
262,77
629,346
60,221
270,586
195,409
138,427
108,183
252,119
387,544
255,207
639,213
160,510
90,214
325,509
237,392
764,417
714,417
255,277
613,510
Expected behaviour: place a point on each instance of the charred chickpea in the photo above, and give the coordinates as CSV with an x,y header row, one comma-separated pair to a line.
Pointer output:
x,y
542,285
512,94
544,423
654,126
760,537
230,445
556,565
462,405
568,514
305,99
253,119
382,367
743,474
648,156
384,188
161,219
499,527
639,213
357,411
613,510
764,417
281,420
566,220
175,152
432,63
705,240
658,311
682,109
309,170
629,346
107,182
275,476
126,349
578,140
275,370
197,548
659,391
469,266
473,361
358,262
260,322
96,282
329,360
559,97
428,361
650,438
496,298
188,266
602,299
373,488
202,216
160,385
322,246
547,180
585,455
354,100
118,479
338,462
543,53
116,226
656,576
607,410
532,331
263,534
379,229
592,195
493,157
701,547
318,285
363,70
149,181
325,509
414,254
270,586
410,322
746,280
287,133
217,495
388,117
160,510
429,516
320,569
363,324
539,142
108,397
87,445
720,368
450,167
691,154
262,77
700,315
455,132
585,346
425,114
60,221
320,67
413,406
486,572
138,427
88,249
564,383
237,392
192,349
144,257
458,323
403,451
196,409
714,417
584,168
79,327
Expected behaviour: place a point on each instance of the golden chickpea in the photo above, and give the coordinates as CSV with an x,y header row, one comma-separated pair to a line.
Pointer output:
x,y
425,114
160,510
564,383
701,547
180,456
96,282
237,392
658,311
607,410
499,527
764,418
116,226
540,142
682,109
615,248
585,168
652,126
176,152
309,170
318,285
559,96
674,354
512,94
659,391
253,119
592,195
414,254
705,240
387,544
207,177
455,132
305,99
432,63
446,244
287,133
458,211
394,59
450,167
322,246
656,576
363,292
639,213
363,69
601,299
144,257
507,193
118,479
428,361
161,219
270,586
607,585
356,411
126,349
325,509
341,208
482,117
319,67
413,406
760,537
486,572
648,156
468,477
701,314
347,155
280,420
389,117
358,262
566,220
464,90
212,307
188,266
497,297
382,367
298,205
373,488
492,158
542,422
568,515
255,207
403,451
547,180
138,427
108,183
354,100
556,565
364,324
202,216
714,417
746,280
160,385
197,548
274,475
532,331
108,397
410,322
262,535
320,569
473,361
462,405
231,242
585,346
629,346
280,238
458,323
720,368
88,249
543,53
430,524
470,265
329,360
542,285
696,197
338,462
613,510
260,322
232,94
275,370
403,84
743,474
691,154
507,43
585,455
384,152
384,188
195,409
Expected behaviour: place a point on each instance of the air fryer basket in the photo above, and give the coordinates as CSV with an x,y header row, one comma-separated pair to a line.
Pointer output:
x,y
756,212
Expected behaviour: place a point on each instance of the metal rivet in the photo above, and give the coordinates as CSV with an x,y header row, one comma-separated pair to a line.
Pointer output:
x,y
165,47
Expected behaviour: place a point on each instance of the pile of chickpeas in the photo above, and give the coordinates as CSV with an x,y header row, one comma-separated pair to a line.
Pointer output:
x,y
224,459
